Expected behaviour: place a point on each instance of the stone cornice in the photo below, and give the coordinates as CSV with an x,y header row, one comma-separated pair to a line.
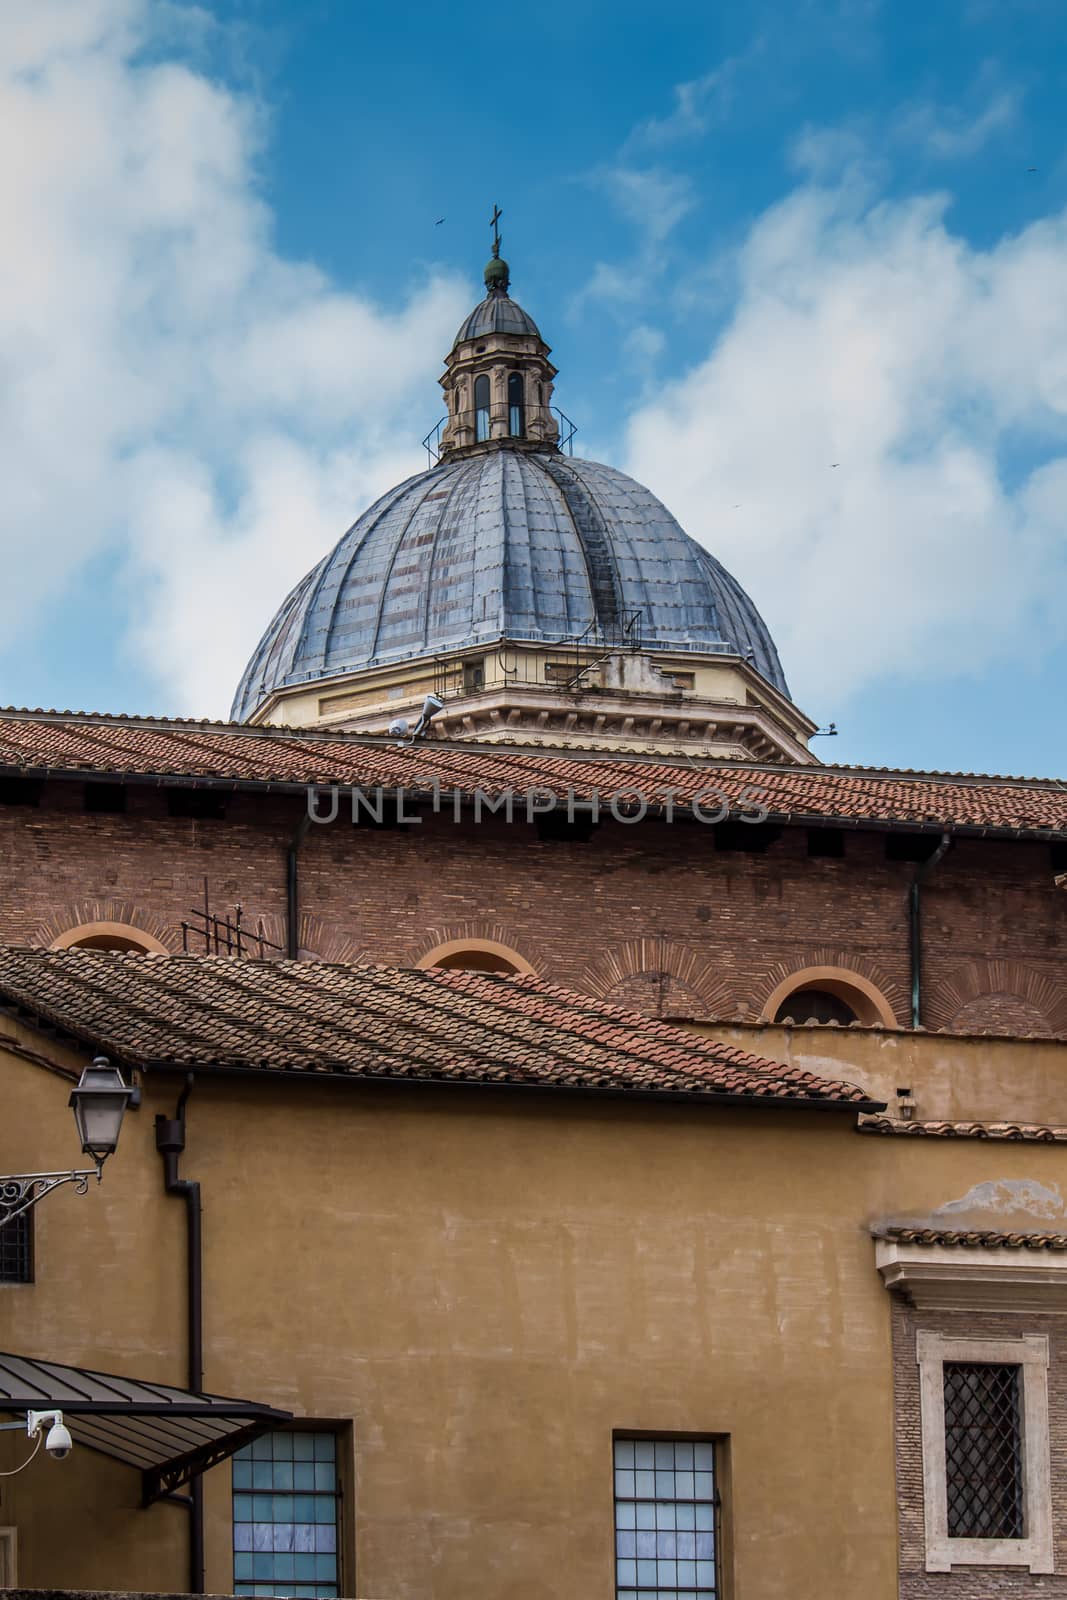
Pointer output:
x,y
973,1278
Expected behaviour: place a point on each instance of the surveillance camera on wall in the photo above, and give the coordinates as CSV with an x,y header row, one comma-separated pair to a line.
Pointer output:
x,y
58,1441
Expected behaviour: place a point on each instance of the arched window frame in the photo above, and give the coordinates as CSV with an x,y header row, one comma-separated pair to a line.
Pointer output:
x,y
448,956
481,407
868,1002
516,405
805,1005
134,941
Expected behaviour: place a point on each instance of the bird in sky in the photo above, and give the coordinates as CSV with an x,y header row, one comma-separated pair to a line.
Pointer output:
x,y
439,221
1031,169
835,463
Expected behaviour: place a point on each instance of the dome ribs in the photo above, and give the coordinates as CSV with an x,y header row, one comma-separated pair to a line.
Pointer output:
x,y
515,544
592,531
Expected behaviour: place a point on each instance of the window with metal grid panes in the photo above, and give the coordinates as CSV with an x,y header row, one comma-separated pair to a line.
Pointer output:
x,y
16,1249
286,1515
665,1524
983,1451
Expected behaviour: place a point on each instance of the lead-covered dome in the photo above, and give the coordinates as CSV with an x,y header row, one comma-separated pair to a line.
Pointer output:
x,y
497,313
507,543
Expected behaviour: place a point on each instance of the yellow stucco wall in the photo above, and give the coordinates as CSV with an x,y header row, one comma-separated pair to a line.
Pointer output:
x,y
487,1284
952,1077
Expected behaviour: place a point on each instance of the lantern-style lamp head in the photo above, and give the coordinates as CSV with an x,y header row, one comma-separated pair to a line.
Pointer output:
x,y
100,1102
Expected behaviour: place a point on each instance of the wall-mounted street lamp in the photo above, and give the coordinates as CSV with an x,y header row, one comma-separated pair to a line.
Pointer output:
x,y
99,1101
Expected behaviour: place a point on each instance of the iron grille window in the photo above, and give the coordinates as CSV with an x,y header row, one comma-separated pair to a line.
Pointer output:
x,y
983,1451
16,1250
286,1502
665,1533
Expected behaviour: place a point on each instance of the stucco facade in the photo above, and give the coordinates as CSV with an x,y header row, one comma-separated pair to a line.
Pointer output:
x,y
482,1287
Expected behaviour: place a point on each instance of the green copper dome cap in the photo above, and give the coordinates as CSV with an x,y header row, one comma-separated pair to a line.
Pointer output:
x,y
497,275
497,313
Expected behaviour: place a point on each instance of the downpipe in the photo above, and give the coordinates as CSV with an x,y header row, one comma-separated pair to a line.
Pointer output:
x,y
170,1142
292,890
922,872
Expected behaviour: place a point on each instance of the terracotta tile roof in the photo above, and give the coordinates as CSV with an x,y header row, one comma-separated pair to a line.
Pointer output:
x,y
1034,1132
41,743
973,1238
383,1022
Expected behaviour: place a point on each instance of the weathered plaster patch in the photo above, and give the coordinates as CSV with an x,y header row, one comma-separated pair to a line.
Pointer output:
x,y
1005,1197
1002,1205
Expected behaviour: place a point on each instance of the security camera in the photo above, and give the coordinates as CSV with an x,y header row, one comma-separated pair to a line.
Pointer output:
x,y
58,1441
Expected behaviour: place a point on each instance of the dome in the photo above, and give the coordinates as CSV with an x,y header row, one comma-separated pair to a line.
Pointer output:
x,y
527,545
497,313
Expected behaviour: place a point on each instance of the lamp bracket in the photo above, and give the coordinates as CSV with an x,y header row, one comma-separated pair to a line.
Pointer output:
x,y
21,1190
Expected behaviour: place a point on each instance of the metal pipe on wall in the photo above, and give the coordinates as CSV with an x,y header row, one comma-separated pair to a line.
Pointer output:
x,y
292,891
170,1142
922,872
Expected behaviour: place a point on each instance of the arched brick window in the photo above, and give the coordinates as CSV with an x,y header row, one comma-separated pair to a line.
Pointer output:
x,y
815,1005
109,936
828,994
476,955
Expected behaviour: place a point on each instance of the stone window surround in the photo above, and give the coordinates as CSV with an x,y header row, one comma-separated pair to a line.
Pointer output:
x,y
1030,1353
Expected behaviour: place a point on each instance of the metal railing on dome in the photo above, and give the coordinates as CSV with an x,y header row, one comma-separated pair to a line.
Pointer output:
x,y
432,442
571,660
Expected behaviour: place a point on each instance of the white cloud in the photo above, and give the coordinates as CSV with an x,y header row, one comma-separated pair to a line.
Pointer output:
x,y
950,133
698,103
653,201
935,374
173,391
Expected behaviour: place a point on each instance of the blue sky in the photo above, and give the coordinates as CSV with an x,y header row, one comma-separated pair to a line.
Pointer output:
x,y
761,238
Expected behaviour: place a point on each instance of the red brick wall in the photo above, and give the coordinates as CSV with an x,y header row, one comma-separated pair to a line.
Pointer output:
x,y
975,1583
634,900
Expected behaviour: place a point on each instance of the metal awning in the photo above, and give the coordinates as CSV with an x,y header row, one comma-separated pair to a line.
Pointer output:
x,y
170,1435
